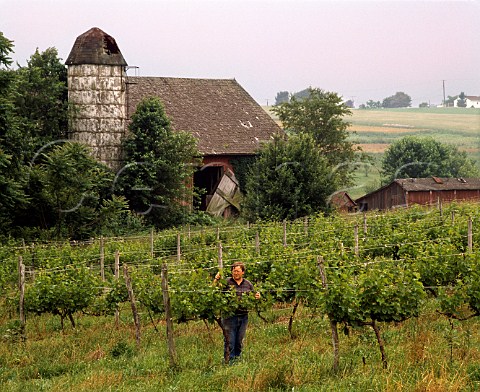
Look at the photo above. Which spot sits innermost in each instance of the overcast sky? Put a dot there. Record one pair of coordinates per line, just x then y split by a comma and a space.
360, 49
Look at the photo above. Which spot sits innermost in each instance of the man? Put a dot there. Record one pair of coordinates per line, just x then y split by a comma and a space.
235, 326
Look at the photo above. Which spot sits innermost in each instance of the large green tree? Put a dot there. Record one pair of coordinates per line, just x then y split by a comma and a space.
291, 178
41, 100
419, 157
322, 114
159, 166
12, 195
74, 192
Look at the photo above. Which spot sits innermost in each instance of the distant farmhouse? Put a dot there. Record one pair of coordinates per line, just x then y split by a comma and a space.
342, 202
471, 101
405, 192
227, 122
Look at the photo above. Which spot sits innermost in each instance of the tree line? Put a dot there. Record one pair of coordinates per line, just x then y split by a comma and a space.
398, 100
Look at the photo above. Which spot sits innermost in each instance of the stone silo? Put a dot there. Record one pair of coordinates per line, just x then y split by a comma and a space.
97, 95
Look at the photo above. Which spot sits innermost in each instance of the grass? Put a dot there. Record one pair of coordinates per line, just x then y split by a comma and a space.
424, 354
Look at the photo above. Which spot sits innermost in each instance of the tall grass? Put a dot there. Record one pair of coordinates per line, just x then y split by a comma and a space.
425, 354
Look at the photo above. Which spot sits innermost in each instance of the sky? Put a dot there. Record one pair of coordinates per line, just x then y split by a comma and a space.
359, 49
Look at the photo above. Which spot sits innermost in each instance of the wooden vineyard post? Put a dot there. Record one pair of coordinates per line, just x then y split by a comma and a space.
333, 324
305, 225
470, 235
285, 233
220, 258
168, 318
365, 226
131, 297
179, 248
152, 247
355, 230
21, 287
117, 276
257, 243
102, 259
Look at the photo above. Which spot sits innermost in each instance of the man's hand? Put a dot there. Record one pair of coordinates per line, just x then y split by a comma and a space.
257, 295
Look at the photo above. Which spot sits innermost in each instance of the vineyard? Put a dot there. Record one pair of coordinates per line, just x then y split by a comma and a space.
373, 271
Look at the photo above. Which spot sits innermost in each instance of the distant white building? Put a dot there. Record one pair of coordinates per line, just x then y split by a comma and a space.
471, 101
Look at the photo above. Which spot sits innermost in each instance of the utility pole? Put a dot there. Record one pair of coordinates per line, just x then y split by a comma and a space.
444, 101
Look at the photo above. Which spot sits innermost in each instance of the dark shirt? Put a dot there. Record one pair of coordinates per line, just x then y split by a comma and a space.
245, 287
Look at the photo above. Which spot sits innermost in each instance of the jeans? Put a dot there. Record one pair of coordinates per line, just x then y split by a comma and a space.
234, 329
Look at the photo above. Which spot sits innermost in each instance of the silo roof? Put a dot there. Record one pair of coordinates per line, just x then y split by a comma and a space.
95, 47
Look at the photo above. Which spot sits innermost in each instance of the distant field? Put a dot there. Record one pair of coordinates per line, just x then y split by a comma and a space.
376, 129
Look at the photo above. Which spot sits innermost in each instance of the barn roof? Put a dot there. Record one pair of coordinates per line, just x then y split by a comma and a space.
438, 184
95, 47
223, 117
430, 184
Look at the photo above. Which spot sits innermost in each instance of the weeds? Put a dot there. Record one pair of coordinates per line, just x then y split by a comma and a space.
104, 358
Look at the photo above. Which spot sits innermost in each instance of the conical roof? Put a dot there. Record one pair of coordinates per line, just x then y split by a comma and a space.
95, 47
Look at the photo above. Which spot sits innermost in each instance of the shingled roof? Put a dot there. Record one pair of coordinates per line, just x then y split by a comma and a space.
95, 47
438, 184
223, 117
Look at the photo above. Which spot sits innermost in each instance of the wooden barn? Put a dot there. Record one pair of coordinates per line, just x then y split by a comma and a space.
342, 202
227, 122
405, 192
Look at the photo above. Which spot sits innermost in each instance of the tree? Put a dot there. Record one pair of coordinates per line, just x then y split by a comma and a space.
6, 47
73, 192
416, 157
462, 103
373, 104
322, 115
282, 96
159, 165
291, 178
399, 100
450, 100
38, 101
41, 101
12, 195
